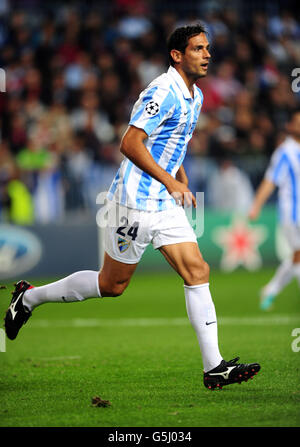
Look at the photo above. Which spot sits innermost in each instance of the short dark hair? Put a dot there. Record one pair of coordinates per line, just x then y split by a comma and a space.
179, 39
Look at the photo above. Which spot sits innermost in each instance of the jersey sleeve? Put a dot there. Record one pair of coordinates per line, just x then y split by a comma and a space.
278, 167
153, 107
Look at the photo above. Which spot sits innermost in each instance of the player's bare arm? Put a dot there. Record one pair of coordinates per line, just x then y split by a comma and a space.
132, 146
181, 176
264, 191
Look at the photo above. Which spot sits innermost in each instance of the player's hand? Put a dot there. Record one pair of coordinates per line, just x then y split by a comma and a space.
181, 193
254, 212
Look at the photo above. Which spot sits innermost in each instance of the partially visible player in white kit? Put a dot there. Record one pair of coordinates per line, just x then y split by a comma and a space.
284, 173
149, 189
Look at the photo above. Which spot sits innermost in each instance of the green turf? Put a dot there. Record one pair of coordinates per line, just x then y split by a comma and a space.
152, 374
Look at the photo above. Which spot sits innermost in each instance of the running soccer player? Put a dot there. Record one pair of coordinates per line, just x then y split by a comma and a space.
283, 172
148, 193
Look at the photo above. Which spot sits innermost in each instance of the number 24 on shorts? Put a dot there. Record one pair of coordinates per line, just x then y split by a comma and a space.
133, 230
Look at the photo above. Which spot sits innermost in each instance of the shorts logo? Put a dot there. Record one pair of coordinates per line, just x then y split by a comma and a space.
123, 244
152, 108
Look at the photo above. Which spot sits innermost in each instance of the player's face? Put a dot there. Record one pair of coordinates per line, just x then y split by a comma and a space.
195, 59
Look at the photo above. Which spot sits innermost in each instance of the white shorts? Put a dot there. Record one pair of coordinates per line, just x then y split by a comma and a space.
135, 230
292, 234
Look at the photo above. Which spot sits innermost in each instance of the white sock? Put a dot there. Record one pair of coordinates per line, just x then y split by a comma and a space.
282, 277
76, 287
296, 270
202, 315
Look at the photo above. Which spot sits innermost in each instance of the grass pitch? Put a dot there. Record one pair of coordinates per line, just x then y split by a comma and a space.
139, 352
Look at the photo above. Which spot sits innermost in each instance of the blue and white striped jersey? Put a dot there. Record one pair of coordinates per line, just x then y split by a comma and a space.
168, 114
284, 172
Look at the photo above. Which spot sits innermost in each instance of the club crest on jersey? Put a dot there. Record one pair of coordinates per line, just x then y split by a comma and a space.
123, 244
152, 108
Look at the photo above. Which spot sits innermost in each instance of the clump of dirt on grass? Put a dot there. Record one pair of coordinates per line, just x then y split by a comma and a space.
98, 402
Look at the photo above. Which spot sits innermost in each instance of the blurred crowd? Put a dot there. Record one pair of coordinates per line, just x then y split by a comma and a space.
74, 70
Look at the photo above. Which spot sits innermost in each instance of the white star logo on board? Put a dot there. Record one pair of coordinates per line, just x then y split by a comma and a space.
239, 242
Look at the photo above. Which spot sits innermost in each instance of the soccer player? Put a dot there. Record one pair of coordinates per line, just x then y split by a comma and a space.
283, 172
148, 193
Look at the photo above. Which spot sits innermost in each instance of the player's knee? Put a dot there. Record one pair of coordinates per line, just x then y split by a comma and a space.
198, 274
113, 289
118, 289
206, 269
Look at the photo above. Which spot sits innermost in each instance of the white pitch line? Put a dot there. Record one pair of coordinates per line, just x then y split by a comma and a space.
278, 320
53, 359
